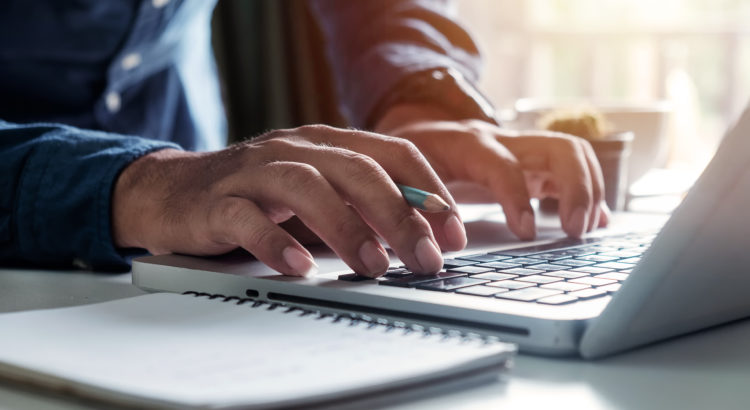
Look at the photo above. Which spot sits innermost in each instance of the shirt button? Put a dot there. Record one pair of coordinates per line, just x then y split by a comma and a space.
159, 3
130, 61
112, 101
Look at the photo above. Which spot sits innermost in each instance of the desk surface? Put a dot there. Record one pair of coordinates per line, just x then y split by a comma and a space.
710, 369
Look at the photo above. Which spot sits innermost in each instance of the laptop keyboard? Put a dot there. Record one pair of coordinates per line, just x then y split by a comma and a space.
558, 273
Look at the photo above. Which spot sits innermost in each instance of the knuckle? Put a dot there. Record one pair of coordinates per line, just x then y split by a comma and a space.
298, 176
347, 226
408, 220
271, 135
226, 213
362, 169
260, 236
405, 150
316, 129
278, 144
567, 144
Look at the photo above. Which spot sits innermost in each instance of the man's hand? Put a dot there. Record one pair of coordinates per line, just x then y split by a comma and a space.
339, 183
512, 166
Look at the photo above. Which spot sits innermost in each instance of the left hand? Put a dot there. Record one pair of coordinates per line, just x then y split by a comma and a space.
512, 166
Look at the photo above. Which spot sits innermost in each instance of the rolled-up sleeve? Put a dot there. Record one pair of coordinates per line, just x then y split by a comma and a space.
373, 44
55, 190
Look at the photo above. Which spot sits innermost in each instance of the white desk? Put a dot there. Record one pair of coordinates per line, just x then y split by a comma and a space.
708, 370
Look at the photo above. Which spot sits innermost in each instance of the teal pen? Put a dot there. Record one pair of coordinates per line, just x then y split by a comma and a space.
423, 200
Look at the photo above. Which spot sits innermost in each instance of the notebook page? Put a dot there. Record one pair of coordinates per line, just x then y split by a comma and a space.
199, 352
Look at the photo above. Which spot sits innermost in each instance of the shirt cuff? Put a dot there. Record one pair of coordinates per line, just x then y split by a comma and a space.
65, 192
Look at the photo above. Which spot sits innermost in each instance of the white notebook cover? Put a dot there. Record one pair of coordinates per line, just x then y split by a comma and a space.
185, 351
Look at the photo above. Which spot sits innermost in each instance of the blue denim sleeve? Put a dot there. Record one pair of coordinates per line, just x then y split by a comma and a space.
56, 183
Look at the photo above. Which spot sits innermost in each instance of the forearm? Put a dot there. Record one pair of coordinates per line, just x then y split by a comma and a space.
55, 195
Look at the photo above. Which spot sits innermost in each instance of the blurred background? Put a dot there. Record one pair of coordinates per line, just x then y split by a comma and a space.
676, 72
690, 56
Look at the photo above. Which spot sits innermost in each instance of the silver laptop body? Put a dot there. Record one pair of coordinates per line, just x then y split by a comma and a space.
695, 274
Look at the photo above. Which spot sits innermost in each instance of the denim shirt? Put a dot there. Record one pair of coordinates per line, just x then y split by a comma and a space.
88, 86
121, 67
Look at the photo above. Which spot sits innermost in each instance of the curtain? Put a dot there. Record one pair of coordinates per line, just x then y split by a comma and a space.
272, 66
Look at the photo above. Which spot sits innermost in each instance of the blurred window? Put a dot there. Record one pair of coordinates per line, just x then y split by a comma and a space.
693, 53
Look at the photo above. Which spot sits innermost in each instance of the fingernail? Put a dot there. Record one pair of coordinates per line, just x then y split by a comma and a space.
428, 256
577, 222
455, 233
606, 215
374, 258
528, 226
302, 264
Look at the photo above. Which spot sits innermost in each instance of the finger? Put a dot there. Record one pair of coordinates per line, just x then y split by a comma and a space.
303, 189
496, 168
364, 184
605, 215
238, 221
597, 185
403, 162
568, 162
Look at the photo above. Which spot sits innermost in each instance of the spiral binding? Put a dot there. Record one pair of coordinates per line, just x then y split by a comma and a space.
352, 319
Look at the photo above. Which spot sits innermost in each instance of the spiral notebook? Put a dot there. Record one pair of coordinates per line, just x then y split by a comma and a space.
208, 351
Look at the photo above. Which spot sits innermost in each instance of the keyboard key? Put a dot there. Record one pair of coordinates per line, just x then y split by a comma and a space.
494, 276
522, 271
628, 271
397, 273
526, 261
511, 284
607, 249
470, 270
574, 262
581, 251
566, 274
610, 288
618, 276
589, 293
516, 252
528, 294
594, 270
558, 299
593, 281
539, 279
614, 265
566, 286
412, 280
633, 260
622, 254
549, 267
448, 285
481, 290
597, 258
551, 256
499, 265
454, 263
353, 277
483, 257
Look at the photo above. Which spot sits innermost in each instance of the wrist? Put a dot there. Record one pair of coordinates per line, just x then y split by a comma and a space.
134, 205
440, 94
401, 115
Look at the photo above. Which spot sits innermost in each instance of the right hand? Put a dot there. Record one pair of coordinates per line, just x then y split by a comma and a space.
339, 183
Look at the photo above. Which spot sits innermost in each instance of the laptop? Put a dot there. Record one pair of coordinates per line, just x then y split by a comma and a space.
590, 297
